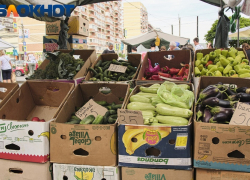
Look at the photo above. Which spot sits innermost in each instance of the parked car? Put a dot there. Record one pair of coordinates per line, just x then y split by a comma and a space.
19, 71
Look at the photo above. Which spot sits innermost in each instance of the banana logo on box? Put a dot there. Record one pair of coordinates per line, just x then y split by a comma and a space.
80, 175
45, 134
135, 138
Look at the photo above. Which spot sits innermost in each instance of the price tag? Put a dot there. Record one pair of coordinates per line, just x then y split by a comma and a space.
117, 68
241, 115
126, 116
91, 108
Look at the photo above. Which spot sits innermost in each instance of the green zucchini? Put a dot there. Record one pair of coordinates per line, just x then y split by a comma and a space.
172, 120
88, 120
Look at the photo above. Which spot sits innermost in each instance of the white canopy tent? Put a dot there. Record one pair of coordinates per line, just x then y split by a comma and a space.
5, 45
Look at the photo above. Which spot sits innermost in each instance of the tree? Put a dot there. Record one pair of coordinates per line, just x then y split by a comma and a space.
209, 37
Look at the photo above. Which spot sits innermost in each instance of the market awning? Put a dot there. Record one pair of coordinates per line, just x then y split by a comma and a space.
244, 34
214, 2
50, 2
147, 38
5, 45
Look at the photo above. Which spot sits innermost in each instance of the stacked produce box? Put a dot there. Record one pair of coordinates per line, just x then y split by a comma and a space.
221, 128
154, 131
78, 33
84, 135
25, 119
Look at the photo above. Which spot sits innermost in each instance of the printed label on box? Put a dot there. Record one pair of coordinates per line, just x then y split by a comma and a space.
117, 68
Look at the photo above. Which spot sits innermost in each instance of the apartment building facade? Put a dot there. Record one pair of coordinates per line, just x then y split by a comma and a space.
135, 17
104, 24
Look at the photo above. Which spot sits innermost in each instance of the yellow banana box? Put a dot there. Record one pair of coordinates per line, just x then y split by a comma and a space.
77, 26
85, 172
22, 136
92, 144
144, 146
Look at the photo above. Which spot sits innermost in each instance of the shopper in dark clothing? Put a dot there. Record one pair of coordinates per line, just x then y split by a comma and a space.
246, 48
110, 49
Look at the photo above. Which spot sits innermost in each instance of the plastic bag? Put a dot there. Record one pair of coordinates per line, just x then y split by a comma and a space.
175, 95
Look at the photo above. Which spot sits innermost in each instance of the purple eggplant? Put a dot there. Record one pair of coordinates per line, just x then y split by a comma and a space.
244, 97
211, 92
219, 95
243, 90
220, 118
206, 116
230, 91
218, 109
214, 101
232, 98
199, 112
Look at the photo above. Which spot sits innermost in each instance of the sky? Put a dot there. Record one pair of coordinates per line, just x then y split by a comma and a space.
164, 13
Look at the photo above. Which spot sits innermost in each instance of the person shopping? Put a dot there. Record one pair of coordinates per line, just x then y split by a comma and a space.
6, 67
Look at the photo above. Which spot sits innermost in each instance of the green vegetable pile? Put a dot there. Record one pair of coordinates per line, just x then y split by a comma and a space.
109, 118
61, 66
229, 63
100, 71
167, 104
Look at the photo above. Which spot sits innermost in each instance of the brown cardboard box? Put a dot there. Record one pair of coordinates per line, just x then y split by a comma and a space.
25, 140
89, 56
134, 59
86, 144
222, 146
205, 52
6, 91
17, 170
182, 56
77, 26
76, 42
205, 174
174, 149
157, 174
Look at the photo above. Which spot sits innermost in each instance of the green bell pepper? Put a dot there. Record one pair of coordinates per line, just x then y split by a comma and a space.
205, 59
232, 72
212, 56
224, 62
241, 53
245, 61
211, 66
197, 63
232, 54
199, 56
200, 67
227, 69
213, 69
243, 71
221, 69
217, 73
218, 51
204, 72
224, 53
197, 72
244, 75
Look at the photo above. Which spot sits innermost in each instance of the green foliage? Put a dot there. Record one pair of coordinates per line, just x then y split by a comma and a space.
122, 55
233, 43
209, 37
61, 66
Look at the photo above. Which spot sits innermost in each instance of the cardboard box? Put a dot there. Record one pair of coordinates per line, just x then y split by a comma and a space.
6, 91
77, 26
74, 42
205, 52
89, 56
157, 174
169, 149
85, 172
222, 146
181, 56
81, 144
134, 59
20, 138
17, 170
205, 174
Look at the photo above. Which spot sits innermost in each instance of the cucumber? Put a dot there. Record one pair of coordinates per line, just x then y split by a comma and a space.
98, 119
88, 120
114, 116
75, 118
106, 117
73, 121
172, 120
117, 106
112, 112
102, 103
111, 120
98, 64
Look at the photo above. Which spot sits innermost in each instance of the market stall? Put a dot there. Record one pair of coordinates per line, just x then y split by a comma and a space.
148, 38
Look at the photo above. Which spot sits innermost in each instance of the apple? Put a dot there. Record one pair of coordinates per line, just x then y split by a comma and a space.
42, 120
36, 119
